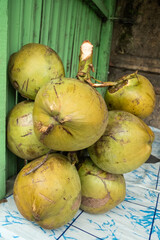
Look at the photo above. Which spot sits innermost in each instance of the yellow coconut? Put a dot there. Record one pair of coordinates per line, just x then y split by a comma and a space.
32, 66
133, 93
51, 195
101, 191
69, 114
21, 139
125, 145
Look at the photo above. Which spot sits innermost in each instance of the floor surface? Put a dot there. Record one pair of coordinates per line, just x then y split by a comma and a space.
136, 218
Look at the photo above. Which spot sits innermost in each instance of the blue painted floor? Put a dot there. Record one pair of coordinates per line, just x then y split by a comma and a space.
136, 218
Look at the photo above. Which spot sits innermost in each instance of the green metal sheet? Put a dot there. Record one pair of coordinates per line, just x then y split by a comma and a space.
65, 25
99, 7
24, 24
60, 24
105, 46
3, 79
24, 17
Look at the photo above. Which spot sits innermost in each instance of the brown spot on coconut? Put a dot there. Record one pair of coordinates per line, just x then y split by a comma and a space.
76, 203
91, 202
16, 85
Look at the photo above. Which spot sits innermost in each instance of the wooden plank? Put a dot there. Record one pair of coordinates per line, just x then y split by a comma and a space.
3, 81
135, 63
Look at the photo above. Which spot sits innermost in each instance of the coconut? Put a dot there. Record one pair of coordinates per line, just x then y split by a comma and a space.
51, 195
125, 145
101, 191
21, 139
32, 66
133, 93
69, 114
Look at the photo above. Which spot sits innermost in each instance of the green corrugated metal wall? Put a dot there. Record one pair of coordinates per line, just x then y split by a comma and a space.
61, 24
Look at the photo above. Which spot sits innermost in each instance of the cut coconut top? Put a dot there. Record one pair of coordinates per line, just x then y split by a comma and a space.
86, 50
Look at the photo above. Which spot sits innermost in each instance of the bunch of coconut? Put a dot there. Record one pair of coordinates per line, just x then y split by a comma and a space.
77, 150
127, 141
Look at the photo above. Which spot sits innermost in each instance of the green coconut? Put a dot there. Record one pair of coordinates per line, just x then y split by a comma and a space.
133, 93
101, 191
51, 195
32, 66
21, 139
125, 145
69, 114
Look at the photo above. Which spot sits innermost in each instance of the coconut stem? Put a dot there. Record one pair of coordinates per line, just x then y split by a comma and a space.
85, 66
100, 84
39, 165
85, 61
73, 158
25, 161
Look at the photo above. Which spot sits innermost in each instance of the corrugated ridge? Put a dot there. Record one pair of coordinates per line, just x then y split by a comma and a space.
3, 59
24, 18
65, 25
60, 24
